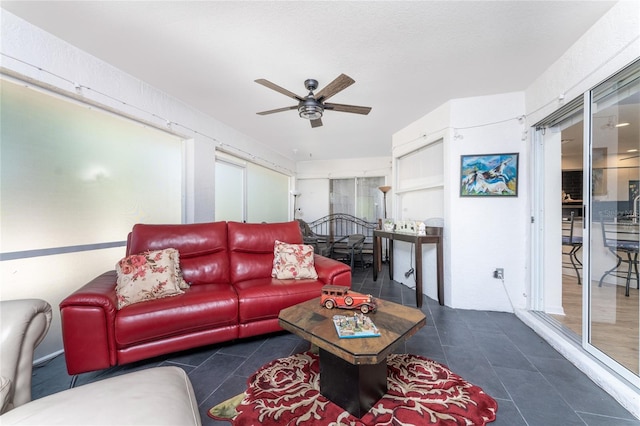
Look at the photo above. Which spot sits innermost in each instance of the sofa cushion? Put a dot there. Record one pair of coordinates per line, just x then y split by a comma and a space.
264, 298
293, 261
202, 247
154, 396
201, 307
251, 247
147, 276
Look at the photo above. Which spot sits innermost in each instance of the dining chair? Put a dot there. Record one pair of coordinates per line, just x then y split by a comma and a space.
573, 242
348, 248
320, 243
622, 240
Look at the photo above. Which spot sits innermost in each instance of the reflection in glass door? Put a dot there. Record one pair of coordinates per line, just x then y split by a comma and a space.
614, 178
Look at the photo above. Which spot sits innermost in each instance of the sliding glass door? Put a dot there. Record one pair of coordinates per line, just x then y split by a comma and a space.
614, 166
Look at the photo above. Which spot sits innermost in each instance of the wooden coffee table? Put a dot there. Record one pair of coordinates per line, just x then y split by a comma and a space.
353, 372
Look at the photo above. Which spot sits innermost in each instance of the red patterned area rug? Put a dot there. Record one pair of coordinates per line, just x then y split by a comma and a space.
420, 392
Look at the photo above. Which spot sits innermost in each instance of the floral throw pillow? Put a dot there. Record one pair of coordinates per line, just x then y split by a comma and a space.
149, 275
293, 261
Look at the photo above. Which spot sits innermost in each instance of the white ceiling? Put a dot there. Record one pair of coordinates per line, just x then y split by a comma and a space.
407, 57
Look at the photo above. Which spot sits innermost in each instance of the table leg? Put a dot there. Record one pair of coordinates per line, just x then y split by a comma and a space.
356, 388
380, 251
391, 259
440, 272
377, 253
418, 250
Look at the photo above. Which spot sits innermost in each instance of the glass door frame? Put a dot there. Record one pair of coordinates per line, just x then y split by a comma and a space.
587, 299
540, 232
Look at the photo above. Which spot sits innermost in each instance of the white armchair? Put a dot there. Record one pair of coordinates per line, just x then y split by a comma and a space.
155, 396
23, 325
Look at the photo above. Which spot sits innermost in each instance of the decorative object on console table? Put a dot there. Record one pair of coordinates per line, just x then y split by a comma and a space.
489, 175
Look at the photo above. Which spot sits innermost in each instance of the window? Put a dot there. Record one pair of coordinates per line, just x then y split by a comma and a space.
248, 192
420, 192
74, 177
357, 196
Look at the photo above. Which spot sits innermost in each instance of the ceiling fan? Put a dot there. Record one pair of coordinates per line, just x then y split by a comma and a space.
312, 106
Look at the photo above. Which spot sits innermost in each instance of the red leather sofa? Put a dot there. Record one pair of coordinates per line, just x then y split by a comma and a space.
232, 295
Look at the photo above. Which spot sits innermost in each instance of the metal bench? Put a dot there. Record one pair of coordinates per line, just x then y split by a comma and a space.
332, 231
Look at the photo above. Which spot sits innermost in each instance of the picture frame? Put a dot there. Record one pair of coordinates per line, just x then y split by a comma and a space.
489, 175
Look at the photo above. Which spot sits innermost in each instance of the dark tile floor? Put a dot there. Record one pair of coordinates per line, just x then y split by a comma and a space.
533, 384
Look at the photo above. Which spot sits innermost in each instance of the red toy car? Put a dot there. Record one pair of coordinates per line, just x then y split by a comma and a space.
337, 296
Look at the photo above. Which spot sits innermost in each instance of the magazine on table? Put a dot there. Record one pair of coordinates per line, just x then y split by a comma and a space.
354, 326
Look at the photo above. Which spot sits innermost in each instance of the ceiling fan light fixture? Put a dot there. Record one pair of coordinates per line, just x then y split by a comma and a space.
310, 109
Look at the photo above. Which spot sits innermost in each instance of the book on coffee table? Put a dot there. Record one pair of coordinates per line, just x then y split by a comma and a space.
358, 325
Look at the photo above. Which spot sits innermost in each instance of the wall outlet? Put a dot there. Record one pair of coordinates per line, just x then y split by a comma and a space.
499, 273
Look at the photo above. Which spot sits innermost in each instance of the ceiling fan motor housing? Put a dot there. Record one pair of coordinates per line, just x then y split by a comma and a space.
311, 84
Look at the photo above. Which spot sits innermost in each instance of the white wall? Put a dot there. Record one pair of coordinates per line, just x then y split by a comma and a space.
313, 202
612, 43
475, 241
489, 232
344, 168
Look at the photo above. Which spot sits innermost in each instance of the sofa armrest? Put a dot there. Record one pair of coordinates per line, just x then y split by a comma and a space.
88, 325
331, 271
24, 324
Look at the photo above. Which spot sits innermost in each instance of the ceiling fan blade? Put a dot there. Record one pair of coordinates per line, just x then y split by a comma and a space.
278, 89
348, 108
271, 111
340, 83
316, 123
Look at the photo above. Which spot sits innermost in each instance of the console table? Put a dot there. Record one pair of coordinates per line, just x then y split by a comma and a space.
434, 236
